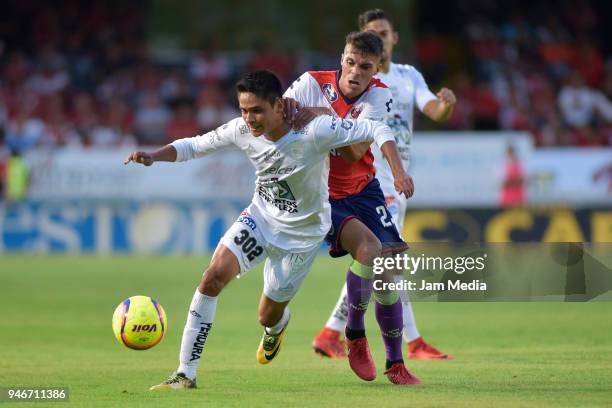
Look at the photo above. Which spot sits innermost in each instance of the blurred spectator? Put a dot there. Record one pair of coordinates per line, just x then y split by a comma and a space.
114, 129
84, 115
3, 112
590, 64
120, 84
210, 67
184, 123
213, 110
24, 131
152, 118
550, 131
510, 89
4, 156
607, 84
462, 117
86, 74
176, 86
431, 55
485, 106
579, 104
59, 131
266, 58
51, 78
513, 189
17, 178
582, 107
148, 79
16, 70
556, 48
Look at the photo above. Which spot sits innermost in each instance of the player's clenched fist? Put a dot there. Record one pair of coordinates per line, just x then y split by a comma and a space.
447, 96
404, 184
140, 157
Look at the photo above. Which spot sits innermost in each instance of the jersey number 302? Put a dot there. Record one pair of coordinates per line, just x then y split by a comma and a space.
248, 244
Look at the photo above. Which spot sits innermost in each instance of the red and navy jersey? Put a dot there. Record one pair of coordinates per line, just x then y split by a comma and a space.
321, 89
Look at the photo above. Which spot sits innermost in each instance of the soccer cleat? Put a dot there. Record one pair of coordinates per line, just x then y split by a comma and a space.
270, 346
177, 381
419, 350
328, 344
360, 358
399, 374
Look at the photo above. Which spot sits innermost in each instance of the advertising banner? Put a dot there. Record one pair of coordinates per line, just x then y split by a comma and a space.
450, 170
196, 227
101, 174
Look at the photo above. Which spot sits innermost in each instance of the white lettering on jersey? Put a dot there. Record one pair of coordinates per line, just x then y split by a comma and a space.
291, 192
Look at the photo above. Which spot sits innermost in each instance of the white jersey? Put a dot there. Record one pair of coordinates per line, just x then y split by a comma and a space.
408, 88
291, 195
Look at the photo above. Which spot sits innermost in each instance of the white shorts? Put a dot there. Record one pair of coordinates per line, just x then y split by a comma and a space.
397, 205
284, 271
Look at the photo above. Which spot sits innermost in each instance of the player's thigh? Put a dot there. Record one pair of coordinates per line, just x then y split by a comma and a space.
359, 241
285, 271
341, 213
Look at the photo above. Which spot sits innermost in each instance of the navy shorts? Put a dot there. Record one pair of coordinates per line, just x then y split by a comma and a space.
369, 207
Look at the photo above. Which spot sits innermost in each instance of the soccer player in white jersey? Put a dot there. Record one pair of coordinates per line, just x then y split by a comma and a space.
408, 88
286, 221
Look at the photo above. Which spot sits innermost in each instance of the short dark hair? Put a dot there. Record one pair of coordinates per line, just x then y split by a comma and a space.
367, 42
263, 83
371, 15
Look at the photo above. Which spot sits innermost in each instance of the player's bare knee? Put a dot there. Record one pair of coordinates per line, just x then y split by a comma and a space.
367, 250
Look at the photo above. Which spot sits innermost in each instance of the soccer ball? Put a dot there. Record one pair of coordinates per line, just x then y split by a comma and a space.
139, 322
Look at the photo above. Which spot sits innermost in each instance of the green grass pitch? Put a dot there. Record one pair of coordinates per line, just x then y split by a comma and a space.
55, 330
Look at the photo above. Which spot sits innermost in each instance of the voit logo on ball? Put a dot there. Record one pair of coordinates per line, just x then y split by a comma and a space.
139, 322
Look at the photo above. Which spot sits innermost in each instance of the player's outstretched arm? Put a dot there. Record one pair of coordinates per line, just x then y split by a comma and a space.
402, 180
166, 153
441, 109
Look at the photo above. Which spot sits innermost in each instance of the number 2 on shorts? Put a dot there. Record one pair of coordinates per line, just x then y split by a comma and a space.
385, 217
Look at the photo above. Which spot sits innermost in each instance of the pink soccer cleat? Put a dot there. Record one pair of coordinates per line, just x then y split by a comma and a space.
419, 350
360, 358
328, 344
399, 374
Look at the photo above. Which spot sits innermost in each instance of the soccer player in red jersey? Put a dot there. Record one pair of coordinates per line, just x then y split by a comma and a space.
361, 223
410, 92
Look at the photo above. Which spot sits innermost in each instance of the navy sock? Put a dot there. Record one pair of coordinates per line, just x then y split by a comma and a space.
353, 334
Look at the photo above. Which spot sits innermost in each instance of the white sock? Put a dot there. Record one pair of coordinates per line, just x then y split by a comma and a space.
410, 329
278, 327
337, 320
199, 322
